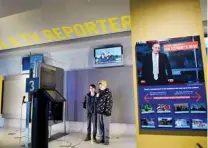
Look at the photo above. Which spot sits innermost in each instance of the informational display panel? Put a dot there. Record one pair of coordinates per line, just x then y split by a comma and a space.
172, 94
34, 59
51, 79
29, 62
47, 76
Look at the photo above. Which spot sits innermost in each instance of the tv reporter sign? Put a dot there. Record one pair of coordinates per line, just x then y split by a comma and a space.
63, 22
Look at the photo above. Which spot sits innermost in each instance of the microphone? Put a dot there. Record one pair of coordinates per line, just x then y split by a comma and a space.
23, 100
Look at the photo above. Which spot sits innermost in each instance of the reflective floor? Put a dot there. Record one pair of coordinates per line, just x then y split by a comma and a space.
9, 138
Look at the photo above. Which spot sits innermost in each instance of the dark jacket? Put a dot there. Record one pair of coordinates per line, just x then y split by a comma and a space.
105, 103
147, 69
90, 103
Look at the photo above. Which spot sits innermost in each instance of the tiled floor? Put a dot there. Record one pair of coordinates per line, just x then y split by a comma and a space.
9, 138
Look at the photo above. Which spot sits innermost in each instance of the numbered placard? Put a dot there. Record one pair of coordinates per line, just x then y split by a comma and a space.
32, 85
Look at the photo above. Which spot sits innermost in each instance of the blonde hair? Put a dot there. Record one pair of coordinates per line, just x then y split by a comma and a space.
103, 82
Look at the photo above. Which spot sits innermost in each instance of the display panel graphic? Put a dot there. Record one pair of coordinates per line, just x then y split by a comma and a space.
148, 123
163, 108
165, 122
147, 109
181, 108
198, 108
171, 84
182, 123
199, 124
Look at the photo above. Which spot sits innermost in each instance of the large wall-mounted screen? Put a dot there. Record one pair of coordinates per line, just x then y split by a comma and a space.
108, 56
171, 84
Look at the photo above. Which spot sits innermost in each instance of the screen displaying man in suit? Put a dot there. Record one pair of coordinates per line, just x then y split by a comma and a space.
154, 68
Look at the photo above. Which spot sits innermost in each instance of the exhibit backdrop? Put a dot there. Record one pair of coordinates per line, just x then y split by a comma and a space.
171, 89
121, 87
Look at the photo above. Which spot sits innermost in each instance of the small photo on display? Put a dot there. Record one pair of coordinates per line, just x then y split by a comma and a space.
182, 108
199, 124
198, 108
182, 123
165, 122
148, 123
163, 108
147, 109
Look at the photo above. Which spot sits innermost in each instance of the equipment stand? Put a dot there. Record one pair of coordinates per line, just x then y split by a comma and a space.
40, 121
27, 131
20, 126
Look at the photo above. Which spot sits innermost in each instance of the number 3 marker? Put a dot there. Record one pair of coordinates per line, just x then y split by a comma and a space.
32, 85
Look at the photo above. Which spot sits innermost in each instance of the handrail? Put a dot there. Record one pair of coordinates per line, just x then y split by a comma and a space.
60, 95
48, 95
45, 90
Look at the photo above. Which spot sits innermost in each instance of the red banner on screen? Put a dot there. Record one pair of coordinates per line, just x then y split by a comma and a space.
181, 46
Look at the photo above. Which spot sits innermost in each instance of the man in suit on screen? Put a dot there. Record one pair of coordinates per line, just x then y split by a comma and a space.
154, 68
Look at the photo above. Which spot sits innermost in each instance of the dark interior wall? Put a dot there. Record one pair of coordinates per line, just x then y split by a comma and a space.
119, 82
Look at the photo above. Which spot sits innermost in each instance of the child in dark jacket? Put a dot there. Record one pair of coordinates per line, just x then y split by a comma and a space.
90, 105
104, 109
